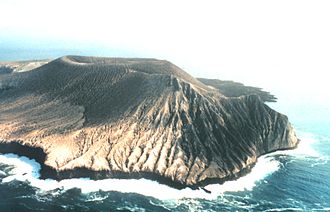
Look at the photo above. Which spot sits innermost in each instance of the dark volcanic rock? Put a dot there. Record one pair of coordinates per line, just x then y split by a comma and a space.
137, 118
5, 70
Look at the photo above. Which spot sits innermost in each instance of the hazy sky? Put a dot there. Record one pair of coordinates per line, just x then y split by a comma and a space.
283, 46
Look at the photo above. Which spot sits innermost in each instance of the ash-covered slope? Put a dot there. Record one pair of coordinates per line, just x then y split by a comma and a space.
236, 89
137, 117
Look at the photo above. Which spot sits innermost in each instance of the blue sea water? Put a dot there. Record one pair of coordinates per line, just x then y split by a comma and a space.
294, 180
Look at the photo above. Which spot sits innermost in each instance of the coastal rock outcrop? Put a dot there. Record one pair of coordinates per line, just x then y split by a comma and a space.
138, 117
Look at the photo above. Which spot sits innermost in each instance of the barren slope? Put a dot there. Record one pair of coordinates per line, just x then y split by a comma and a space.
21, 66
236, 89
141, 116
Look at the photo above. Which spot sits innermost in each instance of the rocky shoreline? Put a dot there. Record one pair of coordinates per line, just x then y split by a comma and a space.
47, 172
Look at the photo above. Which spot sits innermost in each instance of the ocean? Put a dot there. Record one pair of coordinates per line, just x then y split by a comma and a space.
293, 180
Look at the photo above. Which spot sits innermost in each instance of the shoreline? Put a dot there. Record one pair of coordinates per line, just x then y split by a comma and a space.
47, 172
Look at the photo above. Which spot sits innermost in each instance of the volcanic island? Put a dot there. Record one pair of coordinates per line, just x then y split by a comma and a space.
135, 118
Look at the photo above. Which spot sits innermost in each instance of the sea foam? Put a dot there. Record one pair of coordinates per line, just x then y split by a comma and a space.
26, 169
304, 149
